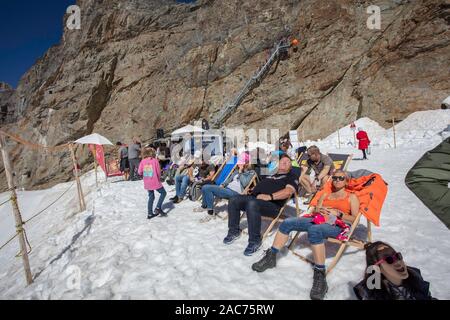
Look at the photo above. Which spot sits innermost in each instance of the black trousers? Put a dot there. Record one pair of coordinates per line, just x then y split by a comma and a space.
254, 209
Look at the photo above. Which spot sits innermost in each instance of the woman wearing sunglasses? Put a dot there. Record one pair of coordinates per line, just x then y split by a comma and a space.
397, 280
334, 211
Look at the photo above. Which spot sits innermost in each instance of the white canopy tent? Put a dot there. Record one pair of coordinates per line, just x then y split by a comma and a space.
94, 138
187, 129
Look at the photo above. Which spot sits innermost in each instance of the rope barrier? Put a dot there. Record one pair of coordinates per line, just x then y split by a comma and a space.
5, 202
33, 145
20, 228
52, 203
7, 242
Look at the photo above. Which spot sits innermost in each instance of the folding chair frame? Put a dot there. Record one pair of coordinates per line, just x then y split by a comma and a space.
343, 244
347, 162
279, 217
218, 172
253, 181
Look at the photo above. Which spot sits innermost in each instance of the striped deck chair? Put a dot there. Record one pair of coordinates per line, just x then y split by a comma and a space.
371, 191
340, 160
224, 171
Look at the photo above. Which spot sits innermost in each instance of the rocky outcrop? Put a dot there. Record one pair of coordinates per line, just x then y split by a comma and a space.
6, 103
137, 65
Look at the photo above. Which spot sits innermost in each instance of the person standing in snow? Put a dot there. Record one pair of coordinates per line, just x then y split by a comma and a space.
134, 152
123, 160
429, 180
151, 171
363, 142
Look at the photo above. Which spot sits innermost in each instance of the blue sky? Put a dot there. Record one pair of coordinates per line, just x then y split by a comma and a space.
28, 29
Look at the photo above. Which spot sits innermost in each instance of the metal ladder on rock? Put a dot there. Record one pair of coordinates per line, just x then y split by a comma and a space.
252, 83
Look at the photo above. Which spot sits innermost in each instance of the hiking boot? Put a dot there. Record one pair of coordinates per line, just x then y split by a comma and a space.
152, 215
211, 212
319, 287
161, 213
231, 237
173, 198
267, 262
178, 200
252, 248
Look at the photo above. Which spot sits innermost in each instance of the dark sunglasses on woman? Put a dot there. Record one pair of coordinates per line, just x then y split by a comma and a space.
338, 178
390, 259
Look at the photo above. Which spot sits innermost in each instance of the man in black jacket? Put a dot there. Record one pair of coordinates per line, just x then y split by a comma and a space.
266, 199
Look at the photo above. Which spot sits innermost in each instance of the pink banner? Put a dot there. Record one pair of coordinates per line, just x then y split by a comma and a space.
97, 150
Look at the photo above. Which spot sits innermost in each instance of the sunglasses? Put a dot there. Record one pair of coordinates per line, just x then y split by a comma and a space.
338, 178
390, 259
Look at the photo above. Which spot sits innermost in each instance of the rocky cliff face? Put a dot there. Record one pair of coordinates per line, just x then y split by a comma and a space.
6, 103
139, 65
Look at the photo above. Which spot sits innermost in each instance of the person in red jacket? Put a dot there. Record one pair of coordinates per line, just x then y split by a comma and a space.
363, 142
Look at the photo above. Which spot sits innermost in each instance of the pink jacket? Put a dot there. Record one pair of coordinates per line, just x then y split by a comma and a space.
151, 171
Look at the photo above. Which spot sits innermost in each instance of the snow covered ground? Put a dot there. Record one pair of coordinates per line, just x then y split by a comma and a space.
111, 251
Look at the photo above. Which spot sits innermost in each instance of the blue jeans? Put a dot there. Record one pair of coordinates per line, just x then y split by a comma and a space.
317, 233
181, 184
151, 199
211, 190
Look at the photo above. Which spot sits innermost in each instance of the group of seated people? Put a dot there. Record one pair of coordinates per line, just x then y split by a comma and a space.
331, 217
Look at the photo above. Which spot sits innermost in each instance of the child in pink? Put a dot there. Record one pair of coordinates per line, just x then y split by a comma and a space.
151, 171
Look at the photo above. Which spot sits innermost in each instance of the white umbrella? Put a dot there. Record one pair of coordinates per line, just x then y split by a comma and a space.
97, 139
94, 138
187, 129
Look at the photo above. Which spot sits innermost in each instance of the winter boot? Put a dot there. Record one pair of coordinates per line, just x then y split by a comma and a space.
267, 262
319, 287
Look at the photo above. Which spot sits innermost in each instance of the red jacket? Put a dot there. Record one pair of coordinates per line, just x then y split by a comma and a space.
363, 140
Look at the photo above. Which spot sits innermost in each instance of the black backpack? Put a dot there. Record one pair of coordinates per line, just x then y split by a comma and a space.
195, 191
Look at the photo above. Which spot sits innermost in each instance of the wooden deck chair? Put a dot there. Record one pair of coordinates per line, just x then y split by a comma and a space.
340, 160
252, 183
279, 218
225, 170
371, 191
302, 158
343, 244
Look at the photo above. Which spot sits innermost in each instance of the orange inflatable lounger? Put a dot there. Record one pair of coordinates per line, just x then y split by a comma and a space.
371, 191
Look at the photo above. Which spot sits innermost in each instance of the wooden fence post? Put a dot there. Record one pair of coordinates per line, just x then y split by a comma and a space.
339, 139
77, 178
393, 129
17, 216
